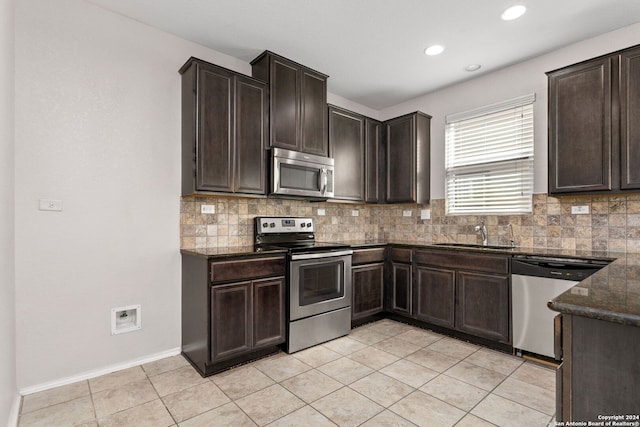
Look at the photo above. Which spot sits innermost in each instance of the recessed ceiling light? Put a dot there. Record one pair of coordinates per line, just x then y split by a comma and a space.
514, 12
473, 67
436, 49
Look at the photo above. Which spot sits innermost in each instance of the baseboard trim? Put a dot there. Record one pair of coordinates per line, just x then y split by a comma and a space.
98, 372
15, 412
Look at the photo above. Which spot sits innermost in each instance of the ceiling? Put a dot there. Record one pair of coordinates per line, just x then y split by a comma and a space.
373, 50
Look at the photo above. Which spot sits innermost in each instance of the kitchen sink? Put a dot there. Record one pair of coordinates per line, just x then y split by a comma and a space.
474, 246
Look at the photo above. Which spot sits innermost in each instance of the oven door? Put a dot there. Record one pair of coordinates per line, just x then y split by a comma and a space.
319, 283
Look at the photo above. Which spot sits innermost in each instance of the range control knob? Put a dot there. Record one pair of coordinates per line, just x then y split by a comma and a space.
302, 225
272, 225
309, 224
265, 225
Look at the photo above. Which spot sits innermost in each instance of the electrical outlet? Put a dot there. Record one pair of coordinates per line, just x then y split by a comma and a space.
355, 213
577, 290
321, 212
580, 210
50, 205
207, 209
406, 213
425, 214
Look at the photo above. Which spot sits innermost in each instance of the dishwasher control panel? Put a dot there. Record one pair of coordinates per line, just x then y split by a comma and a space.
556, 268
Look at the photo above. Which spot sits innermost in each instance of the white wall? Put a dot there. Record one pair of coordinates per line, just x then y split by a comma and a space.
8, 388
98, 127
352, 106
510, 82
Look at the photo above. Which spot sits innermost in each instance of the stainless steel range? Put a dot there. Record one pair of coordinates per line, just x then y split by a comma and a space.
318, 277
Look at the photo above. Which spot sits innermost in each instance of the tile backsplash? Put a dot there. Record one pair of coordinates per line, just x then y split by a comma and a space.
613, 222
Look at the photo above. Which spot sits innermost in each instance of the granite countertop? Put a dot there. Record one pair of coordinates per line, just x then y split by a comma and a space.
229, 251
612, 294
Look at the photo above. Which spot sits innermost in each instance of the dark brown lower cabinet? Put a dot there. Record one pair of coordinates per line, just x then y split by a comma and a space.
400, 295
434, 292
230, 320
268, 312
482, 305
599, 371
398, 281
465, 291
233, 310
246, 316
367, 282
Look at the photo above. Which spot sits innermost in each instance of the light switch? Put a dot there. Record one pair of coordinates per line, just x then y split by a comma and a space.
50, 205
406, 213
355, 213
425, 214
321, 212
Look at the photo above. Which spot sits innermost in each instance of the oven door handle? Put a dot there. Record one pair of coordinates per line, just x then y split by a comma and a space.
295, 257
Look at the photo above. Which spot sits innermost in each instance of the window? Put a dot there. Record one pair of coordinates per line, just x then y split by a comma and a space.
489, 159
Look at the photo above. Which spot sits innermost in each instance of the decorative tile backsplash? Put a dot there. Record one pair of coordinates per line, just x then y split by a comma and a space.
613, 222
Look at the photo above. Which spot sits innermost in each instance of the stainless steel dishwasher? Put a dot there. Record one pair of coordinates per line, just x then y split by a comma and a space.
535, 281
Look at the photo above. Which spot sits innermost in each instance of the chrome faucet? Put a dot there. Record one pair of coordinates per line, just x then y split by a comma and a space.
483, 231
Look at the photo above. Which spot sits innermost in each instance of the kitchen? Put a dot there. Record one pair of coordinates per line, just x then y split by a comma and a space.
116, 242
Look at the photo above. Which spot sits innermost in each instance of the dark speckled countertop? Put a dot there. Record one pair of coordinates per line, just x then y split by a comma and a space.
612, 294
229, 251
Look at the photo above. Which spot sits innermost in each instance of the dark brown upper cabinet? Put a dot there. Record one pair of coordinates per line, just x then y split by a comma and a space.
594, 143
297, 101
629, 114
346, 146
224, 130
374, 165
355, 144
407, 140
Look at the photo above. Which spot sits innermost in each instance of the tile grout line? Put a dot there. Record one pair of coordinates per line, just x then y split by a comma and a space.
344, 354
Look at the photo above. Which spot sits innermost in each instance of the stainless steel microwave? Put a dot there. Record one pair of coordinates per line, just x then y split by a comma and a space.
299, 174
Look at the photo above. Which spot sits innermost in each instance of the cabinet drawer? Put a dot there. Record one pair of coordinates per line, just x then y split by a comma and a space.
400, 255
464, 261
246, 269
367, 256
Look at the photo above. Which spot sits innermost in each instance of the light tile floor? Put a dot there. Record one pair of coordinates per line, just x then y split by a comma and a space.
383, 374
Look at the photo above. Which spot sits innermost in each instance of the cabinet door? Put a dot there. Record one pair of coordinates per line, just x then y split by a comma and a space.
482, 305
580, 126
400, 161
214, 168
230, 320
268, 312
251, 112
314, 113
400, 289
372, 164
346, 135
367, 285
285, 107
434, 295
629, 123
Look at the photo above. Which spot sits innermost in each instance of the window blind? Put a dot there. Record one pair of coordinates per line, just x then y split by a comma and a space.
489, 159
